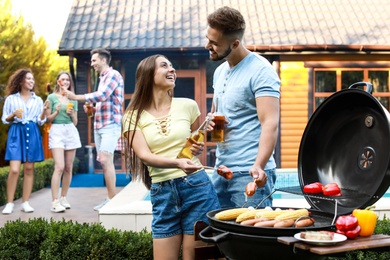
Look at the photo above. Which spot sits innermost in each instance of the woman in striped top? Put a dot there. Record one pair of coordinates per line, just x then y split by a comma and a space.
24, 111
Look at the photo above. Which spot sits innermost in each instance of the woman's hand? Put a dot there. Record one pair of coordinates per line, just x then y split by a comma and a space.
188, 166
69, 110
58, 107
18, 113
46, 105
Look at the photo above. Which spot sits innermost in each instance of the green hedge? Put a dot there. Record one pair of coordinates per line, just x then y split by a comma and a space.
51, 240
43, 239
42, 178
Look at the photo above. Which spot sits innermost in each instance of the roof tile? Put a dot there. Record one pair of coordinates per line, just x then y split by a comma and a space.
143, 24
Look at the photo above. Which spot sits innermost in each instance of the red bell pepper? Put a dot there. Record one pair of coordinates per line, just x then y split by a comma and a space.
313, 188
331, 189
351, 234
348, 225
346, 222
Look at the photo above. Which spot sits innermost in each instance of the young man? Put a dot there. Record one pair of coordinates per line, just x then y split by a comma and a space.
248, 90
108, 112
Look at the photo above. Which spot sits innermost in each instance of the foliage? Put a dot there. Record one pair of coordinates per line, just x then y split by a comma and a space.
42, 239
19, 48
383, 226
22, 240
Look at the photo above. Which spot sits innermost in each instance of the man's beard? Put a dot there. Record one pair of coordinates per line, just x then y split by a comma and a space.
223, 56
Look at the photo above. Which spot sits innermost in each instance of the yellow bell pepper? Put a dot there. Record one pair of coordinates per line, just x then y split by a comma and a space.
366, 219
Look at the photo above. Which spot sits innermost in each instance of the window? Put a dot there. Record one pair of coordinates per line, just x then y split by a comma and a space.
327, 81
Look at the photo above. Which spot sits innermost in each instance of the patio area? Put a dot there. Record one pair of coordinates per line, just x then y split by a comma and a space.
82, 201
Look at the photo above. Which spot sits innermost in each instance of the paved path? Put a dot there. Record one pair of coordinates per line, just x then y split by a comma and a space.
82, 201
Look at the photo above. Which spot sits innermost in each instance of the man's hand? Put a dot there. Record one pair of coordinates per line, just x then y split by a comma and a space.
259, 176
197, 148
70, 95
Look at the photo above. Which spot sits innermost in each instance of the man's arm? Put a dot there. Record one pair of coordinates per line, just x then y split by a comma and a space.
268, 110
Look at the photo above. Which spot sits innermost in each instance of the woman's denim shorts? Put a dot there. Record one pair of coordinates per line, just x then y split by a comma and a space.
179, 203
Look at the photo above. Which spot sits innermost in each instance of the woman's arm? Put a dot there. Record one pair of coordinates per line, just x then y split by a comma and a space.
142, 150
73, 115
51, 116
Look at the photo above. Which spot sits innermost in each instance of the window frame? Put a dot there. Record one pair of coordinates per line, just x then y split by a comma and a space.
339, 70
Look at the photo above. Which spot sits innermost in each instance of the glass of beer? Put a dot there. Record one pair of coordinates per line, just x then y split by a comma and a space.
218, 133
21, 112
69, 106
89, 109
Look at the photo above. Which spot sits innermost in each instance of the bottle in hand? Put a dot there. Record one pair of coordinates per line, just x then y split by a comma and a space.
197, 136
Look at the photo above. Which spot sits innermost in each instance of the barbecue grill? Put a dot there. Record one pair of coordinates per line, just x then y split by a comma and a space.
346, 141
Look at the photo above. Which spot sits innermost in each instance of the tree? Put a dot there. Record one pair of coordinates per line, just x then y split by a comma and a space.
18, 49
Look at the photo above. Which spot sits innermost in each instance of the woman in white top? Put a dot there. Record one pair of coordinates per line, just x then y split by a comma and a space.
24, 111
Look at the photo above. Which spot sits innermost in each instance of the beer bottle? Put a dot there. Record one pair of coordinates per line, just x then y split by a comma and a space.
197, 136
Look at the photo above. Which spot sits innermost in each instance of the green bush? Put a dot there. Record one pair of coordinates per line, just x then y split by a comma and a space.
42, 178
383, 226
22, 240
42, 239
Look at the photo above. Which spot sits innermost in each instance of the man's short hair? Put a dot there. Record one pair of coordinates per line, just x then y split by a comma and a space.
227, 20
103, 53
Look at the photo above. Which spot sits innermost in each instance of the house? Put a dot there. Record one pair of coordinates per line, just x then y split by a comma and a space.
317, 46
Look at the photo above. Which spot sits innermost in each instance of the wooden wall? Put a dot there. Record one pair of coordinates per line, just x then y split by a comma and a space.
294, 110
84, 123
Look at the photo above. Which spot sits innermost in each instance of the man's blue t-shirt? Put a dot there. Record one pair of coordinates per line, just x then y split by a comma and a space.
237, 90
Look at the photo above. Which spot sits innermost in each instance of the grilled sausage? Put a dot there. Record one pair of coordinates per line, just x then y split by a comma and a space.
304, 222
266, 223
225, 172
250, 189
284, 223
251, 222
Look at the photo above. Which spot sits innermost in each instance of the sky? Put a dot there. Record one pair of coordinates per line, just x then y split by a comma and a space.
47, 17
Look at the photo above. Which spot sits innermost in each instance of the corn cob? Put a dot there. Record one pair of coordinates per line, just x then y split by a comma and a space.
293, 214
230, 214
250, 214
270, 215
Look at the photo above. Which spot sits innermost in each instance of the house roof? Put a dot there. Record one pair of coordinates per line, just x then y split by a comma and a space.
272, 25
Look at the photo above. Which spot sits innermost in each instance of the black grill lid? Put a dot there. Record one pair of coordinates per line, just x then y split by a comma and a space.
347, 141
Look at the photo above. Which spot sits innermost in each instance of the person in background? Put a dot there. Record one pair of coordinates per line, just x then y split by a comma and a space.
108, 111
24, 111
248, 90
64, 139
155, 128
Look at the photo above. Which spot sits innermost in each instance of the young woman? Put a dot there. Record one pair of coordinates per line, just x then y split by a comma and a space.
156, 126
64, 139
24, 111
